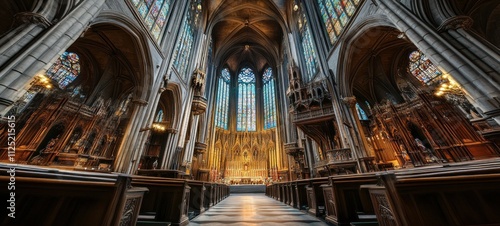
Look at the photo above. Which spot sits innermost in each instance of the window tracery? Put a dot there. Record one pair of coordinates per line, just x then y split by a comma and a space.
221, 114
336, 14
65, 69
154, 14
310, 55
246, 112
269, 99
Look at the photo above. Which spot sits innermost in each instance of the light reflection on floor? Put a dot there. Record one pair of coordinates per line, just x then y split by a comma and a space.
253, 209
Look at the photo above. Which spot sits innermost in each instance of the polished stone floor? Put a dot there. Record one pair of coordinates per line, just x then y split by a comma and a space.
253, 209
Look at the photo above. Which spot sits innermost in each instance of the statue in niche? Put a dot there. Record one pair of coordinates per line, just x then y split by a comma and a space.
50, 145
155, 164
404, 155
245, 156
39, 159
429, 156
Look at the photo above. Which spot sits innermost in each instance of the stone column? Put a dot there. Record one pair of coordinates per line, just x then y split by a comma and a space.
357, 131
17, 72
480, 86
199, 106
125, 156
456, 30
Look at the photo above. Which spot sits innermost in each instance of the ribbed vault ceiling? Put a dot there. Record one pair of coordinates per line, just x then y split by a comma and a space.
247, 32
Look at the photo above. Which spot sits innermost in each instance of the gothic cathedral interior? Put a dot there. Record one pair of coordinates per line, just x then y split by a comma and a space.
249, 92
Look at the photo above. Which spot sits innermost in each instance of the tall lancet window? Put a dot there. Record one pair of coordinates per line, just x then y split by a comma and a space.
184, 46
221, 114
269, 99
361, 113
336, 14
310, 55
159, 116
154, 14
246, 112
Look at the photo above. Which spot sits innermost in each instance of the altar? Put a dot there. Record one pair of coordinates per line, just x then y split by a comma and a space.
245, 180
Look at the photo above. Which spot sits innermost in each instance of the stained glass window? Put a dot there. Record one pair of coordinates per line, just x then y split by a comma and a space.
336, 14
154, 14
310, 54
246, 113
159, 116
184, 46
361, 113
65, 69
221, 114
269, 99
422, 68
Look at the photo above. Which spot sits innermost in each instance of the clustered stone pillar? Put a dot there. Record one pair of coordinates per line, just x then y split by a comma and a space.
125, 157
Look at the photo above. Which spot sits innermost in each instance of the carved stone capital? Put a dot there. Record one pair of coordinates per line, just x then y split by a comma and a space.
351, 101
32, 18
456, 22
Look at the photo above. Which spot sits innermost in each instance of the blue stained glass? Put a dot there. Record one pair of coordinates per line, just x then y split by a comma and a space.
336, 14
246, 115
149, 20
143, 10
159, 116
65, 69
184, 46
269, 99
310, 55
221, 115
361, 113
154, 14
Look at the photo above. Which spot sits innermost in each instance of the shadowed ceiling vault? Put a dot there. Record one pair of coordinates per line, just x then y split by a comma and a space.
247, 32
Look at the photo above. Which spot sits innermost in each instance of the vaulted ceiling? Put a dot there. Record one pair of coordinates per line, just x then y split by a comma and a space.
247, 32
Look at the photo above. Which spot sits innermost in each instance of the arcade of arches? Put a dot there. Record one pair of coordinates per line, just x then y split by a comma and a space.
249, 91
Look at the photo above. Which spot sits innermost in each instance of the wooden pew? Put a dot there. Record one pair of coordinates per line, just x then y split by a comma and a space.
301, 194
196, 197
208, 200
346, 200
455, 194
315, 199
58, 197
293, 195
167, 201
289, 193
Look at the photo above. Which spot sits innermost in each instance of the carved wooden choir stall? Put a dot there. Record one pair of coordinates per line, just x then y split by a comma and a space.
66, 132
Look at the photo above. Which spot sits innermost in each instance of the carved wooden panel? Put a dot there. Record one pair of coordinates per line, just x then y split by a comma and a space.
311, 200
384, 211
331, 204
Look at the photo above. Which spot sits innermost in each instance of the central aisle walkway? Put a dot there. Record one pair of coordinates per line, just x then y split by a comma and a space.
253, 209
